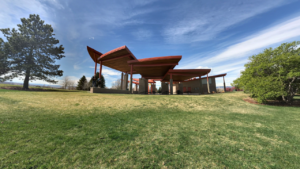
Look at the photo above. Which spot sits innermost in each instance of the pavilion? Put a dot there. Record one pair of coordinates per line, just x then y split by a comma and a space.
151, 70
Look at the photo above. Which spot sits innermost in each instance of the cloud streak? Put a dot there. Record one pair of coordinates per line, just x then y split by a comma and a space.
210, 19
276, 34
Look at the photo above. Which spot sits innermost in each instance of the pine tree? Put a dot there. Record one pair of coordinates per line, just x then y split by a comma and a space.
4, 62
80, 85
32, 51
100, 83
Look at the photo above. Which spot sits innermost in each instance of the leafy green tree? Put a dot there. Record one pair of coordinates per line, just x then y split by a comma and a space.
273, 73
99, 83
32, 51
81, 82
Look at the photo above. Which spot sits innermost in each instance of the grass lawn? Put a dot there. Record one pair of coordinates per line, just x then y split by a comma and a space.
83, 130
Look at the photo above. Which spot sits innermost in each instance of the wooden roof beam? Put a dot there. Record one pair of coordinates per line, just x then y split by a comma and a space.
123, 56
152, 65
183, 74
152, 77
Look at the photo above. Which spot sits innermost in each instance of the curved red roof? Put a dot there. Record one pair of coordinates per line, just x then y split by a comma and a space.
117, 52
92, 53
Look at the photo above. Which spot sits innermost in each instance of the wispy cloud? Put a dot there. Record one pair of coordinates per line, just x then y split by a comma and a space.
107, 71
204, 22
142, 34
76, 67
254, 43
110, 72
266, 38
227, 68
13, 10
55, 3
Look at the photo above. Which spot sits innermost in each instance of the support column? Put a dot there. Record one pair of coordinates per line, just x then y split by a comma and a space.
135, 87
224, 84
164, 88
95, 69
201, 86
207, 83
122, 81
126, 81
100, 71
180, 86
153, 87
171, 84
143, 88
130, 87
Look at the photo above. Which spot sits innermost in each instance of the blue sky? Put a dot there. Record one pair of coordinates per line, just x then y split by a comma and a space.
217, 34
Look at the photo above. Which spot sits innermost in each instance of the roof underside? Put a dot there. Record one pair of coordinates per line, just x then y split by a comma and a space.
94, 54
154, 68
184, 74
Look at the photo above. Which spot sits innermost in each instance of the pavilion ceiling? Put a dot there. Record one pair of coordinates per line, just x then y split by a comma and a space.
156, 67
184, 74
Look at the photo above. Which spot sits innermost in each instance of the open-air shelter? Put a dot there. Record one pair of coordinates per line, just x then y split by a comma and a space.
151, 70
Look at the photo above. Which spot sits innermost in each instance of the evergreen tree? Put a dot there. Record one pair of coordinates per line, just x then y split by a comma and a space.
32, 51
99, 83
80, 85
273, 73
4, 62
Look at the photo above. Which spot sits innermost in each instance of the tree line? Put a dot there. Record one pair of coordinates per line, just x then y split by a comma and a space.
84, 84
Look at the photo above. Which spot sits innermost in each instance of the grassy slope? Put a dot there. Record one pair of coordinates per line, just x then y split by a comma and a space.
79, 129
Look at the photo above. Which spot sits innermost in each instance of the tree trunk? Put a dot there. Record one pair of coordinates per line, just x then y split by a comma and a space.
26, 80
290, 92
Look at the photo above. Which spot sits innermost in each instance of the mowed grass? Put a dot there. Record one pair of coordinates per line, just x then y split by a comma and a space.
83, 130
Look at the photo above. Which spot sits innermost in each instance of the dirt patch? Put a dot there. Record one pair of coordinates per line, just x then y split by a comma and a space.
30, 89
250, 100
296, 103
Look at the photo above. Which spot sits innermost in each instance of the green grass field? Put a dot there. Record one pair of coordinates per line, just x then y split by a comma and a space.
83, 130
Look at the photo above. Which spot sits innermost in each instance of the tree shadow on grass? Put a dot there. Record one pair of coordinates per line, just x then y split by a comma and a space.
37, 89
295, 103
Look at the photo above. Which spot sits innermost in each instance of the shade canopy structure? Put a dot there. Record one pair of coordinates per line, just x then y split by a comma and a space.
183, 74
156, 67
219, 75
153, 69
214, 76
115, 59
